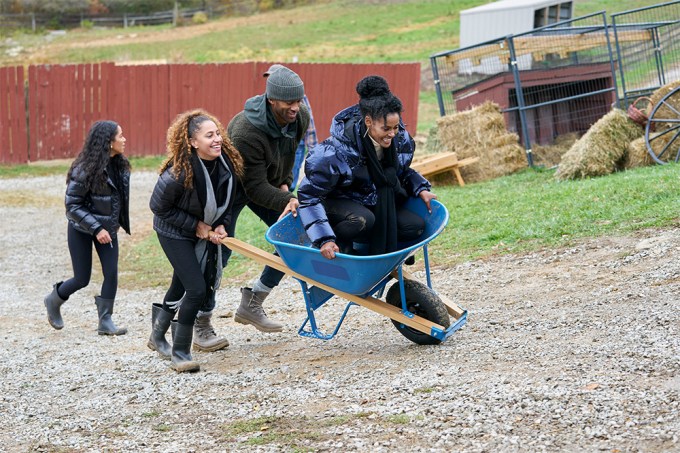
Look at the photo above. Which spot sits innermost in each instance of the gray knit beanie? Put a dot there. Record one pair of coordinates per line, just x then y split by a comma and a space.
284, 85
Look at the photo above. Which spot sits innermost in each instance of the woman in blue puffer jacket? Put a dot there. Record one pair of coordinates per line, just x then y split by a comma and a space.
357, 181
97, 200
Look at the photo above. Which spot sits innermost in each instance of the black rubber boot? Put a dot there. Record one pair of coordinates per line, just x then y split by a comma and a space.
53, 304
106, 325
160, 323
182, 335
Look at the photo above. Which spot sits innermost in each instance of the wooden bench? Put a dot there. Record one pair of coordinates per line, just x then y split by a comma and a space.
443, 162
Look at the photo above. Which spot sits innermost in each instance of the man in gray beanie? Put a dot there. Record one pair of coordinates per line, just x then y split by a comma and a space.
309, 140
267, 133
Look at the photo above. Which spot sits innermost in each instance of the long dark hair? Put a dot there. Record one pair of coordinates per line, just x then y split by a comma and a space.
375, 98
95, 155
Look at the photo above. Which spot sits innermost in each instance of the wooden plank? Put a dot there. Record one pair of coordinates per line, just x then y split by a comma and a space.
441, 163
435, 164
373, 304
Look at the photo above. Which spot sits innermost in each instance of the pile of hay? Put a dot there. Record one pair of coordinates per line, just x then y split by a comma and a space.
549, 156
481, 132
602, 149
637, 154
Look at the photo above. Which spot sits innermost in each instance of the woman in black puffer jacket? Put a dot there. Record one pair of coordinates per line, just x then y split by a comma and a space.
97, 200
192, 206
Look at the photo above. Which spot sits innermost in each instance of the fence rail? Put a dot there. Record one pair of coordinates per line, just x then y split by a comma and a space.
652, 60
548, 82
46, 115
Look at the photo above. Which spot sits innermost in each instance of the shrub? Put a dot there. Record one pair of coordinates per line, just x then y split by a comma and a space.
199, 18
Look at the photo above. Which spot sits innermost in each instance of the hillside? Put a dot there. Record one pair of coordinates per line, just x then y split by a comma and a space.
342, 31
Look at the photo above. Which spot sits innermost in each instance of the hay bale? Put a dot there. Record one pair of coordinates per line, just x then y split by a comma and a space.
549, 156
601, 150
480, 131
664, 111
637, 154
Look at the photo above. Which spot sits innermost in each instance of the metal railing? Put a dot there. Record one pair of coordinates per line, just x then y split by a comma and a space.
652, 58
549, 81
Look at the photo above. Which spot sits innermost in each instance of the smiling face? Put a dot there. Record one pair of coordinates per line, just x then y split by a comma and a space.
118, 143
285, 112
207, 141
383, 130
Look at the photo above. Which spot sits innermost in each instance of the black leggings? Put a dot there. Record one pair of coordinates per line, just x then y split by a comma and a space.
353, 222
188, 283
80, 248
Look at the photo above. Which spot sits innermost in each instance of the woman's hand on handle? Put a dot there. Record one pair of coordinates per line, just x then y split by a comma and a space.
218, 234
427, 196
203, 230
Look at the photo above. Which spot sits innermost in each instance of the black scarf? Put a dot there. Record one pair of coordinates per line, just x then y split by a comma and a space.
384, 176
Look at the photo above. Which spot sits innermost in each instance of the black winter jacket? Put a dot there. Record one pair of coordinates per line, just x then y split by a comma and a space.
177, 210
90, 211
268, 151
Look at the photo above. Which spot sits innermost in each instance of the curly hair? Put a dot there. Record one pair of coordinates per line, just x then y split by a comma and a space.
95, 155
375, 98
179, 149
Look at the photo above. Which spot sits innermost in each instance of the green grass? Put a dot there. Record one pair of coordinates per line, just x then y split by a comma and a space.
55, 167
513, 214
531, 210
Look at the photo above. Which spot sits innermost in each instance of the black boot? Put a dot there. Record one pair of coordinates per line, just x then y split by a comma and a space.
182, 335
106, 325
53, 303
160, 322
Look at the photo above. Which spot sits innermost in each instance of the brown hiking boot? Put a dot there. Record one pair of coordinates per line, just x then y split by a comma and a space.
251, 312
205, 338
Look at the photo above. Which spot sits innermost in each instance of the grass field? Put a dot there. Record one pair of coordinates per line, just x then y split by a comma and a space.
335, 31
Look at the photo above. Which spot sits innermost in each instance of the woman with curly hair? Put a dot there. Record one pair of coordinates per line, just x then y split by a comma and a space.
192, 205
358, 179
97, 201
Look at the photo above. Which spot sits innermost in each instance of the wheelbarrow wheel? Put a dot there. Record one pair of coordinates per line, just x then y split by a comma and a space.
662, 133
421, 301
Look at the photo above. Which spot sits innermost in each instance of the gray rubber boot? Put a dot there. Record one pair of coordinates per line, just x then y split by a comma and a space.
251, 312
53, 305
205, 338
181, 348
160, 323
106, 325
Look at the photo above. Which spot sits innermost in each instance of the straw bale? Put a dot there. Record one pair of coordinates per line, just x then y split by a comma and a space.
674, 101
601, 150
549, 156
637, 154
480, 131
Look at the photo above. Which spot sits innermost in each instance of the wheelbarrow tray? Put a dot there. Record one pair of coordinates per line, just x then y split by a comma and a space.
351, 274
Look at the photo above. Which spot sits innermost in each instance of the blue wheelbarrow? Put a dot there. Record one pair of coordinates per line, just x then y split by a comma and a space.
416, 310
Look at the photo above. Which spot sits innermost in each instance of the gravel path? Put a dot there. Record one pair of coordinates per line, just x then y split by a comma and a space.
565, 350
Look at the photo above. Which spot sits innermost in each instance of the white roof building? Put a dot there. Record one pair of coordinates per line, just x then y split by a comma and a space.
507, 17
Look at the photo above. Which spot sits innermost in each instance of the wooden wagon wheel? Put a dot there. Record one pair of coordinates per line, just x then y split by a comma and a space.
662, 133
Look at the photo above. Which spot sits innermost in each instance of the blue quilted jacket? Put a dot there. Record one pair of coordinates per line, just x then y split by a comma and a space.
336, 168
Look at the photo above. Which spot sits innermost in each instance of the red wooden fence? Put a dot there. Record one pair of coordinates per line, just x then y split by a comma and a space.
13, 133
64, 100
